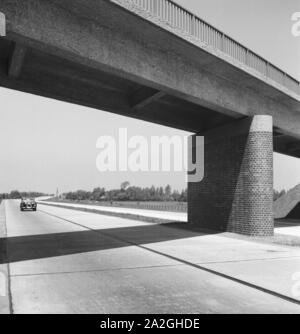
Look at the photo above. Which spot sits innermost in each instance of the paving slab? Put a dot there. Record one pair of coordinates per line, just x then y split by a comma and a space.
150, 290
67, 261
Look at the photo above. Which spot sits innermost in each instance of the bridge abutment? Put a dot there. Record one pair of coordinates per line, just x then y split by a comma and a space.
236, 194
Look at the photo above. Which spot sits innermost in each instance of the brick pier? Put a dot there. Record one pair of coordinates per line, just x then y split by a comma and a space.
236, 194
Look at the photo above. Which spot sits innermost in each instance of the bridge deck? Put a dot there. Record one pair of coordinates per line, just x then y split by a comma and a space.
120, 57
180, 21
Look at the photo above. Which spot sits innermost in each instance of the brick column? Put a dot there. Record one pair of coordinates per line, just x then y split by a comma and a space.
236, 194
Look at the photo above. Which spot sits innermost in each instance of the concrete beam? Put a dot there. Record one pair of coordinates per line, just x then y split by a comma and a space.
2, 25
145, 96
65, 72
101, 36
16, 61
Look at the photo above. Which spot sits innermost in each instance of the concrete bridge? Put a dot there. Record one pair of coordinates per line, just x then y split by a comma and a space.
153, 60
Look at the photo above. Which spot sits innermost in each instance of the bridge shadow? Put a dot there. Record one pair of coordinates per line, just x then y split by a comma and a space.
23, 248
294, 213
291, 220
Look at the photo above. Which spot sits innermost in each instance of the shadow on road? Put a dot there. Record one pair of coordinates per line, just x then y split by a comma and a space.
22, 248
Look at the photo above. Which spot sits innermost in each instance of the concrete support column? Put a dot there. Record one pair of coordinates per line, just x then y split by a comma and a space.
236, 194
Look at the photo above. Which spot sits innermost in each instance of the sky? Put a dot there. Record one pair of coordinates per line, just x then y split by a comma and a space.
264, 26
47, 144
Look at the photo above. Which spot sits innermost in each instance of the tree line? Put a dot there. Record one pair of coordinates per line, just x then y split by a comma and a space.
129, 193
125, 193
16, 194
132, 193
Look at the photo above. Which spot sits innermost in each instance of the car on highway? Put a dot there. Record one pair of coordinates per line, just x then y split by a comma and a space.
28, 204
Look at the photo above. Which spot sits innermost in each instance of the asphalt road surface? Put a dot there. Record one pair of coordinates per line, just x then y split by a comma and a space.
65, 261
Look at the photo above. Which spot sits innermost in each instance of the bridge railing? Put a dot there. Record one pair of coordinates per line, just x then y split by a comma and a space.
180, 18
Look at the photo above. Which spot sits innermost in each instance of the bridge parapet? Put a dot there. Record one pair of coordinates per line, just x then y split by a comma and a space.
176, 18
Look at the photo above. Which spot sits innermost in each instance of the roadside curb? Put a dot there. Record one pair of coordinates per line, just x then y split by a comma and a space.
116, 214
5, 301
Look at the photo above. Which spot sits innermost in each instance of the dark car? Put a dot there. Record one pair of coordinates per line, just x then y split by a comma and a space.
28, 204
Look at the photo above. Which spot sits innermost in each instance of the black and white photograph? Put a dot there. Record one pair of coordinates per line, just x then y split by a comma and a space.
149, 160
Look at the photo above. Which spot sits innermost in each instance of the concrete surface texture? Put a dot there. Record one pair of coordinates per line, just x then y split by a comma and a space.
123, 62
65, 261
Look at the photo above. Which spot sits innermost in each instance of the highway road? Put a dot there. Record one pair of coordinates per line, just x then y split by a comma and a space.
66, 261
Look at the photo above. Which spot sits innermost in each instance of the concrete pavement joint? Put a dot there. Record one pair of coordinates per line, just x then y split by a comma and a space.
211, 271
149, 267
153, 266
98, 270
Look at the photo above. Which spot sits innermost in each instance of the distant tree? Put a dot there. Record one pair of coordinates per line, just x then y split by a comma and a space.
129, 193
14, 194
3, 196
98, 194
152, 192
161, 193
125, 185
168, 191
176, 196
183, 196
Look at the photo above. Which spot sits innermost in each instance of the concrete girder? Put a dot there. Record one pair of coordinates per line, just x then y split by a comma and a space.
49, 27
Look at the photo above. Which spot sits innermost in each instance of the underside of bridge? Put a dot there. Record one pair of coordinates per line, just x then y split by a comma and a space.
36, 72
97, 54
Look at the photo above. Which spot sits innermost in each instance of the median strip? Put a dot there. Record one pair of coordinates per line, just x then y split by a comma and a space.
117, 212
